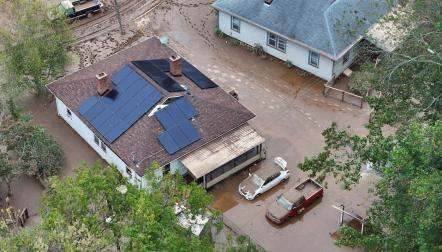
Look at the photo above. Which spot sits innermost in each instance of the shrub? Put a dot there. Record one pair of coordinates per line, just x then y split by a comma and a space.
258, 50
37, 152
235, 42
288, 64
219, 33
360, 81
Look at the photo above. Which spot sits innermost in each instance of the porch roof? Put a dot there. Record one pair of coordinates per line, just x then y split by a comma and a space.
221, 151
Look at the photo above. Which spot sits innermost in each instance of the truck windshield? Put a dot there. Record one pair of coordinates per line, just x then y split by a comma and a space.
257, 180
284, 203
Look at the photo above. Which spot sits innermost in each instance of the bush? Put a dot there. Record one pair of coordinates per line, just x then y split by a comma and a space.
288, 64
37, 152
258, 50
235, 42
360, 81
219, 33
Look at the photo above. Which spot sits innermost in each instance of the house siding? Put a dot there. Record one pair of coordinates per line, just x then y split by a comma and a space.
339, 67
75, 122
298, 55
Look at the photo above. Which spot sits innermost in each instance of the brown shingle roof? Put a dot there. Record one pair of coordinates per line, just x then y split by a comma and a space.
218, 112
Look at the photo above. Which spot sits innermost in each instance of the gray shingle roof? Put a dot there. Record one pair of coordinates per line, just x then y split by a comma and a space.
329, 26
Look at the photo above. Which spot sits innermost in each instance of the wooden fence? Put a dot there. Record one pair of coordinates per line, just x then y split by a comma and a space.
343, 95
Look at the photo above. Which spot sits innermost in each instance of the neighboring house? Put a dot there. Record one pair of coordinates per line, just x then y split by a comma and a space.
145, 105
319, 36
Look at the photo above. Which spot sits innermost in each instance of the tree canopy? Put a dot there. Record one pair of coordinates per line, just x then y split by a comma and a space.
403, 144
36, 152
98, 209
34, 48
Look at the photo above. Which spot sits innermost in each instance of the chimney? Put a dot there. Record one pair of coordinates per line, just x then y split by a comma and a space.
175, 65
103, 85
268, 1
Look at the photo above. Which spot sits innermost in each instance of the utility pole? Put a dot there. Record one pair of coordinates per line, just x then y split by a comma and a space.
117, 10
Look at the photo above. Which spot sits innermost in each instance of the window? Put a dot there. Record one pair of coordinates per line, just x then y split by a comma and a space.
128, 172
252, 152
235, 24
166, 169
240, 159
68, 112
313, 59
276, 42
103, 146
345, 57
96, 140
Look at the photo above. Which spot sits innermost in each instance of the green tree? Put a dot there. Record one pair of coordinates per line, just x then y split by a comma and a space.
7, 172
97, 209
35, 48
404, 141
38, 153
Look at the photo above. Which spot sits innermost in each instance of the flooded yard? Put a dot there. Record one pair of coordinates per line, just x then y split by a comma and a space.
291, 113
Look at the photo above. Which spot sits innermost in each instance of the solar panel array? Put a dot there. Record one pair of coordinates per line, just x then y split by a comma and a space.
115, 112
175, 120
158, 76
189, 71
196, 76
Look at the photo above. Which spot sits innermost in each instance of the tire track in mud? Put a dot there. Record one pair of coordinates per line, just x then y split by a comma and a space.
129, 11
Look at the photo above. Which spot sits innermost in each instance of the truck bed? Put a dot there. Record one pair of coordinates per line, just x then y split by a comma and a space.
83, 6
308, 188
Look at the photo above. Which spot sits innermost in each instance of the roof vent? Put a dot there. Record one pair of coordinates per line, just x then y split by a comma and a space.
268, 2
103, 84
175, 65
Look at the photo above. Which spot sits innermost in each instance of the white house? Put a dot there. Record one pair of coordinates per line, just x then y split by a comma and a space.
145, 105
319, 36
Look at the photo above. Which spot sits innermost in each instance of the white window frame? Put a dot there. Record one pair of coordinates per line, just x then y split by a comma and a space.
103, 147
233, 21
129, 172
313, 63
277, 42
68, 112
96, 140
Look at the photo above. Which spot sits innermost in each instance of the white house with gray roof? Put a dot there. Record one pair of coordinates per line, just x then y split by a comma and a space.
319, 36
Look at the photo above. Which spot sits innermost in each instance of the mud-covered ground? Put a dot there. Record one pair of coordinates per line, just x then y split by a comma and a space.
290, 113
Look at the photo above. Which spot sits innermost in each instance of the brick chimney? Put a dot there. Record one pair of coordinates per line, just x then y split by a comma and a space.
175, 65
103, 84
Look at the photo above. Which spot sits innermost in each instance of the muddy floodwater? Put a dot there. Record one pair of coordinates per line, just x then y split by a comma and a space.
291, 113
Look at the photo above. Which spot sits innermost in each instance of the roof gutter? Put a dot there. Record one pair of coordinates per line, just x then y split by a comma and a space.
334, 58
279, 34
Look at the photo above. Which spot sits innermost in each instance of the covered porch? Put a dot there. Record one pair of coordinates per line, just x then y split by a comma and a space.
224, 156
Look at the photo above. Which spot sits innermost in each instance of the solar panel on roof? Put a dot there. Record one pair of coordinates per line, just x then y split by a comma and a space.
118, 77
162, 64
184, 105
165, 119
180, 132
158, 75
89, 103
178, 137
112, 114
189, 131
168, 143
196, 76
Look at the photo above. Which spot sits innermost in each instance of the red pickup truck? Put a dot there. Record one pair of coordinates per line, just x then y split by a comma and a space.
294, 201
